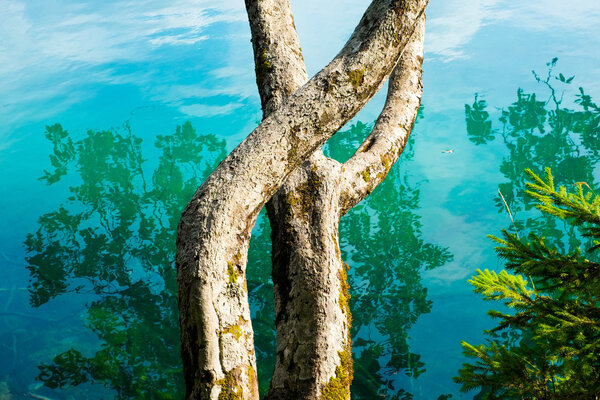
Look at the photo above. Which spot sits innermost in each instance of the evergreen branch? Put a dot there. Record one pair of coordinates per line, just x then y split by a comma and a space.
504, 286
582, 208
550, 347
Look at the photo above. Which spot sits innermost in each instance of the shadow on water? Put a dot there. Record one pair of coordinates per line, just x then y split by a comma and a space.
112, 243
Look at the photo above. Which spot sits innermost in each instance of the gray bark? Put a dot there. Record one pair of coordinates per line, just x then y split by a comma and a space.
314, 358
279, 64
313, 320
213, 235
309, 277
311, 296
369, 166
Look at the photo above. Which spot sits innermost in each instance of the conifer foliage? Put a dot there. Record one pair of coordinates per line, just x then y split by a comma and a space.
547, 342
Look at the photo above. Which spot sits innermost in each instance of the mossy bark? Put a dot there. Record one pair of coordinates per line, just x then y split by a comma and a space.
311, 295
214, 231
314, 349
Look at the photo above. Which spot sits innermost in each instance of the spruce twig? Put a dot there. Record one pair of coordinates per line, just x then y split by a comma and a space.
547, 345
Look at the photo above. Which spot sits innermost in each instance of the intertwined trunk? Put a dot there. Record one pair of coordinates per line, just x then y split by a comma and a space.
313, 320
213, 235
314, 356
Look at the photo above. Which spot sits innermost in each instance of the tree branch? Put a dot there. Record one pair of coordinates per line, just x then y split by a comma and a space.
214, 231
278, 60
319, 108
369, 166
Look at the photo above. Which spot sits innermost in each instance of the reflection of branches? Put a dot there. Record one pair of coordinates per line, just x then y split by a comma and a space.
137, 156
560, 138
537, 135
127, 264
385, 276
540, 134
104, 235
546, 82
479, 127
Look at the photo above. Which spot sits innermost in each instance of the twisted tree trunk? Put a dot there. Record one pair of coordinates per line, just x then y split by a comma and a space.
213, 235
313, 320
301, 268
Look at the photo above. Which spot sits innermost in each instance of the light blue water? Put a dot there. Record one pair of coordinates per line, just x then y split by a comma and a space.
140, 70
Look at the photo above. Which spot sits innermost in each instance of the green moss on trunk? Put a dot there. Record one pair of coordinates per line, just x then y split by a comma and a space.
230, 388
338, 387
356, 77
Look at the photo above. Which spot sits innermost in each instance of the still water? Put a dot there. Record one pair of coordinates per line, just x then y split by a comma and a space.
111, 116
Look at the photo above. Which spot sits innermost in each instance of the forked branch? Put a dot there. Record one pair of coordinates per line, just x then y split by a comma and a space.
369, 166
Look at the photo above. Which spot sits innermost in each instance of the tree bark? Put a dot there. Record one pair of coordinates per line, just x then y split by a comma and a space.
312, 321
278, 61
314, 358
213, 234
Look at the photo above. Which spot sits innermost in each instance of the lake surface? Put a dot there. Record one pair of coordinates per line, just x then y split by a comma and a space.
112, 114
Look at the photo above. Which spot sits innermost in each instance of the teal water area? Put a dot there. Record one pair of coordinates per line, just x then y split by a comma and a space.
111, 116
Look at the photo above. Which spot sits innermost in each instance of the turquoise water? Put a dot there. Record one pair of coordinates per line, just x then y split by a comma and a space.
122, 109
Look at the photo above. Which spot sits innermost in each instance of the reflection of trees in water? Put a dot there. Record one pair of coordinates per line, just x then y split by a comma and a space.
539, 131
381, 241
114, 238
260, 295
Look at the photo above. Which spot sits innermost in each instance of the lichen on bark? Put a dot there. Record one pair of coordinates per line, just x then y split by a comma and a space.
356, 77
262, 67
234, 330
231, 274
338, 386
230, 387
215, 227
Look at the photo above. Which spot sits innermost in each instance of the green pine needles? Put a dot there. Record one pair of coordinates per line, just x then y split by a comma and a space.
547, 344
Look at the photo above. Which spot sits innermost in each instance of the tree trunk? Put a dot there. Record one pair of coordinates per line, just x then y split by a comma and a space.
313, 320
213, 234
314, 356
